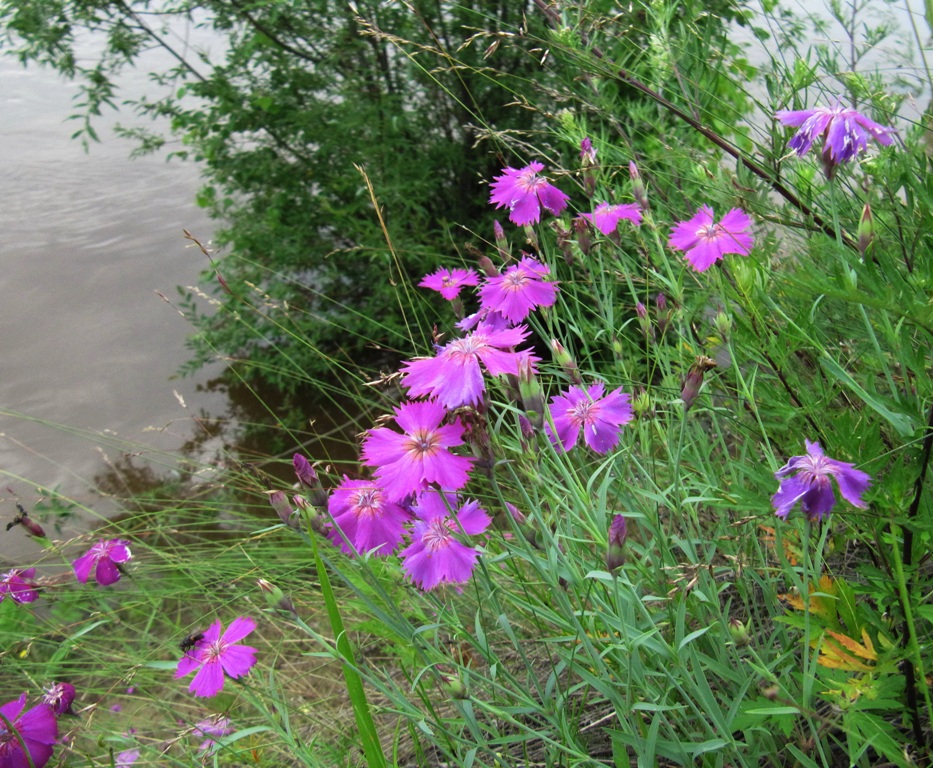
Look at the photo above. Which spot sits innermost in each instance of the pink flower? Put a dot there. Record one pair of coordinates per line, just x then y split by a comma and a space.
105, 557
126, 758
524, 193
519, 290
448, 282
705, 243
214, 728
36, 729
587, 151
60, 697
18, 584
454, 376
606, 217
811, 484
216, 655
845, 132
364, 516
408, 463
436, 555
599, 417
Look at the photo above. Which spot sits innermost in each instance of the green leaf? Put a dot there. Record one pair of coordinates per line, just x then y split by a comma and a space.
901, 422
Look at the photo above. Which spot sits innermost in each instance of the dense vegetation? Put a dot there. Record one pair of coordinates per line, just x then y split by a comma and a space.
663, 501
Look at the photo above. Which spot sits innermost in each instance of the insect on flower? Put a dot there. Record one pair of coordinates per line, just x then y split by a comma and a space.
188, 642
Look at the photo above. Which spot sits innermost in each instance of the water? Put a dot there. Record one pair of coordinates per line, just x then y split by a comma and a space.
88, 346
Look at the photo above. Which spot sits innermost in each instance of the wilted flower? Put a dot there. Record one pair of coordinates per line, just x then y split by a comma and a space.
449, 282
215, 655
606, 217
36, 730
587, 151
694, 379
705, 242
436, 555
524, 193
18, 584
521, 288
408, 463
600, 417
845, 132
366, 518
811, 484
105, 558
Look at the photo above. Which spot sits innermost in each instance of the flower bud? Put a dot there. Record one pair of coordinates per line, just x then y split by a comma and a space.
615, 552
646, 328
563, 358
304, 471
866, 230
531, 393
739, 633
454, 686
582, 230
638, 187
641, 403
32, 526
283, 508
502, 245
694, 380
723, 324
487, 267
276, 598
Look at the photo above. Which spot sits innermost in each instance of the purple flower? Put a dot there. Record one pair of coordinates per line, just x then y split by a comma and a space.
705, 243
60, 697
217, 655
213, 728
104, 558
606, 217
845, 132
436, 555
524, 193
519, 290
126, 758
587, 151
410, 462
454, 376
599, 416
37, 729
18, 584
811, 485
448, 282
364, 516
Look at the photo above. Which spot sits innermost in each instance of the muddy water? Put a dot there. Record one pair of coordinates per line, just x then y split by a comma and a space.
87, 346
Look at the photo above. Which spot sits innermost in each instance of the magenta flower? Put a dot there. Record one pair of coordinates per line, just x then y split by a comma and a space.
524, 193
126, 758
364, 516
60, 697
599, 417
454, 376
18, 584
449, 282
213, 728
704, 242
410, 462
587, 151
105, 558
606, 217
215, 655
37, 729
845, 132
519, 290
811, 485
436, 554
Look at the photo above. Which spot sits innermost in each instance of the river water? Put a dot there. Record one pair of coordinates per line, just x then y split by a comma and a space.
87, 240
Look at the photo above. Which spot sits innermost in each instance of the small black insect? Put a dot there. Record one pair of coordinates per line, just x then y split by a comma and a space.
189, 641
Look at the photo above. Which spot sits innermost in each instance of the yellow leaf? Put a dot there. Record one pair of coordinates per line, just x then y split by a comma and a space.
854, 646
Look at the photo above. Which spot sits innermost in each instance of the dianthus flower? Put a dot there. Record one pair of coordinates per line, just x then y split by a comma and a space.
127, 758
606, 217
408, 463
36, 729
436, 555
705, 243
524, 193
366, 518
18, 584
600, 417
104, 558
213, 728
217, 655
811, 485
521, 288
449, 282
60, 697
845, 132
454, 376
